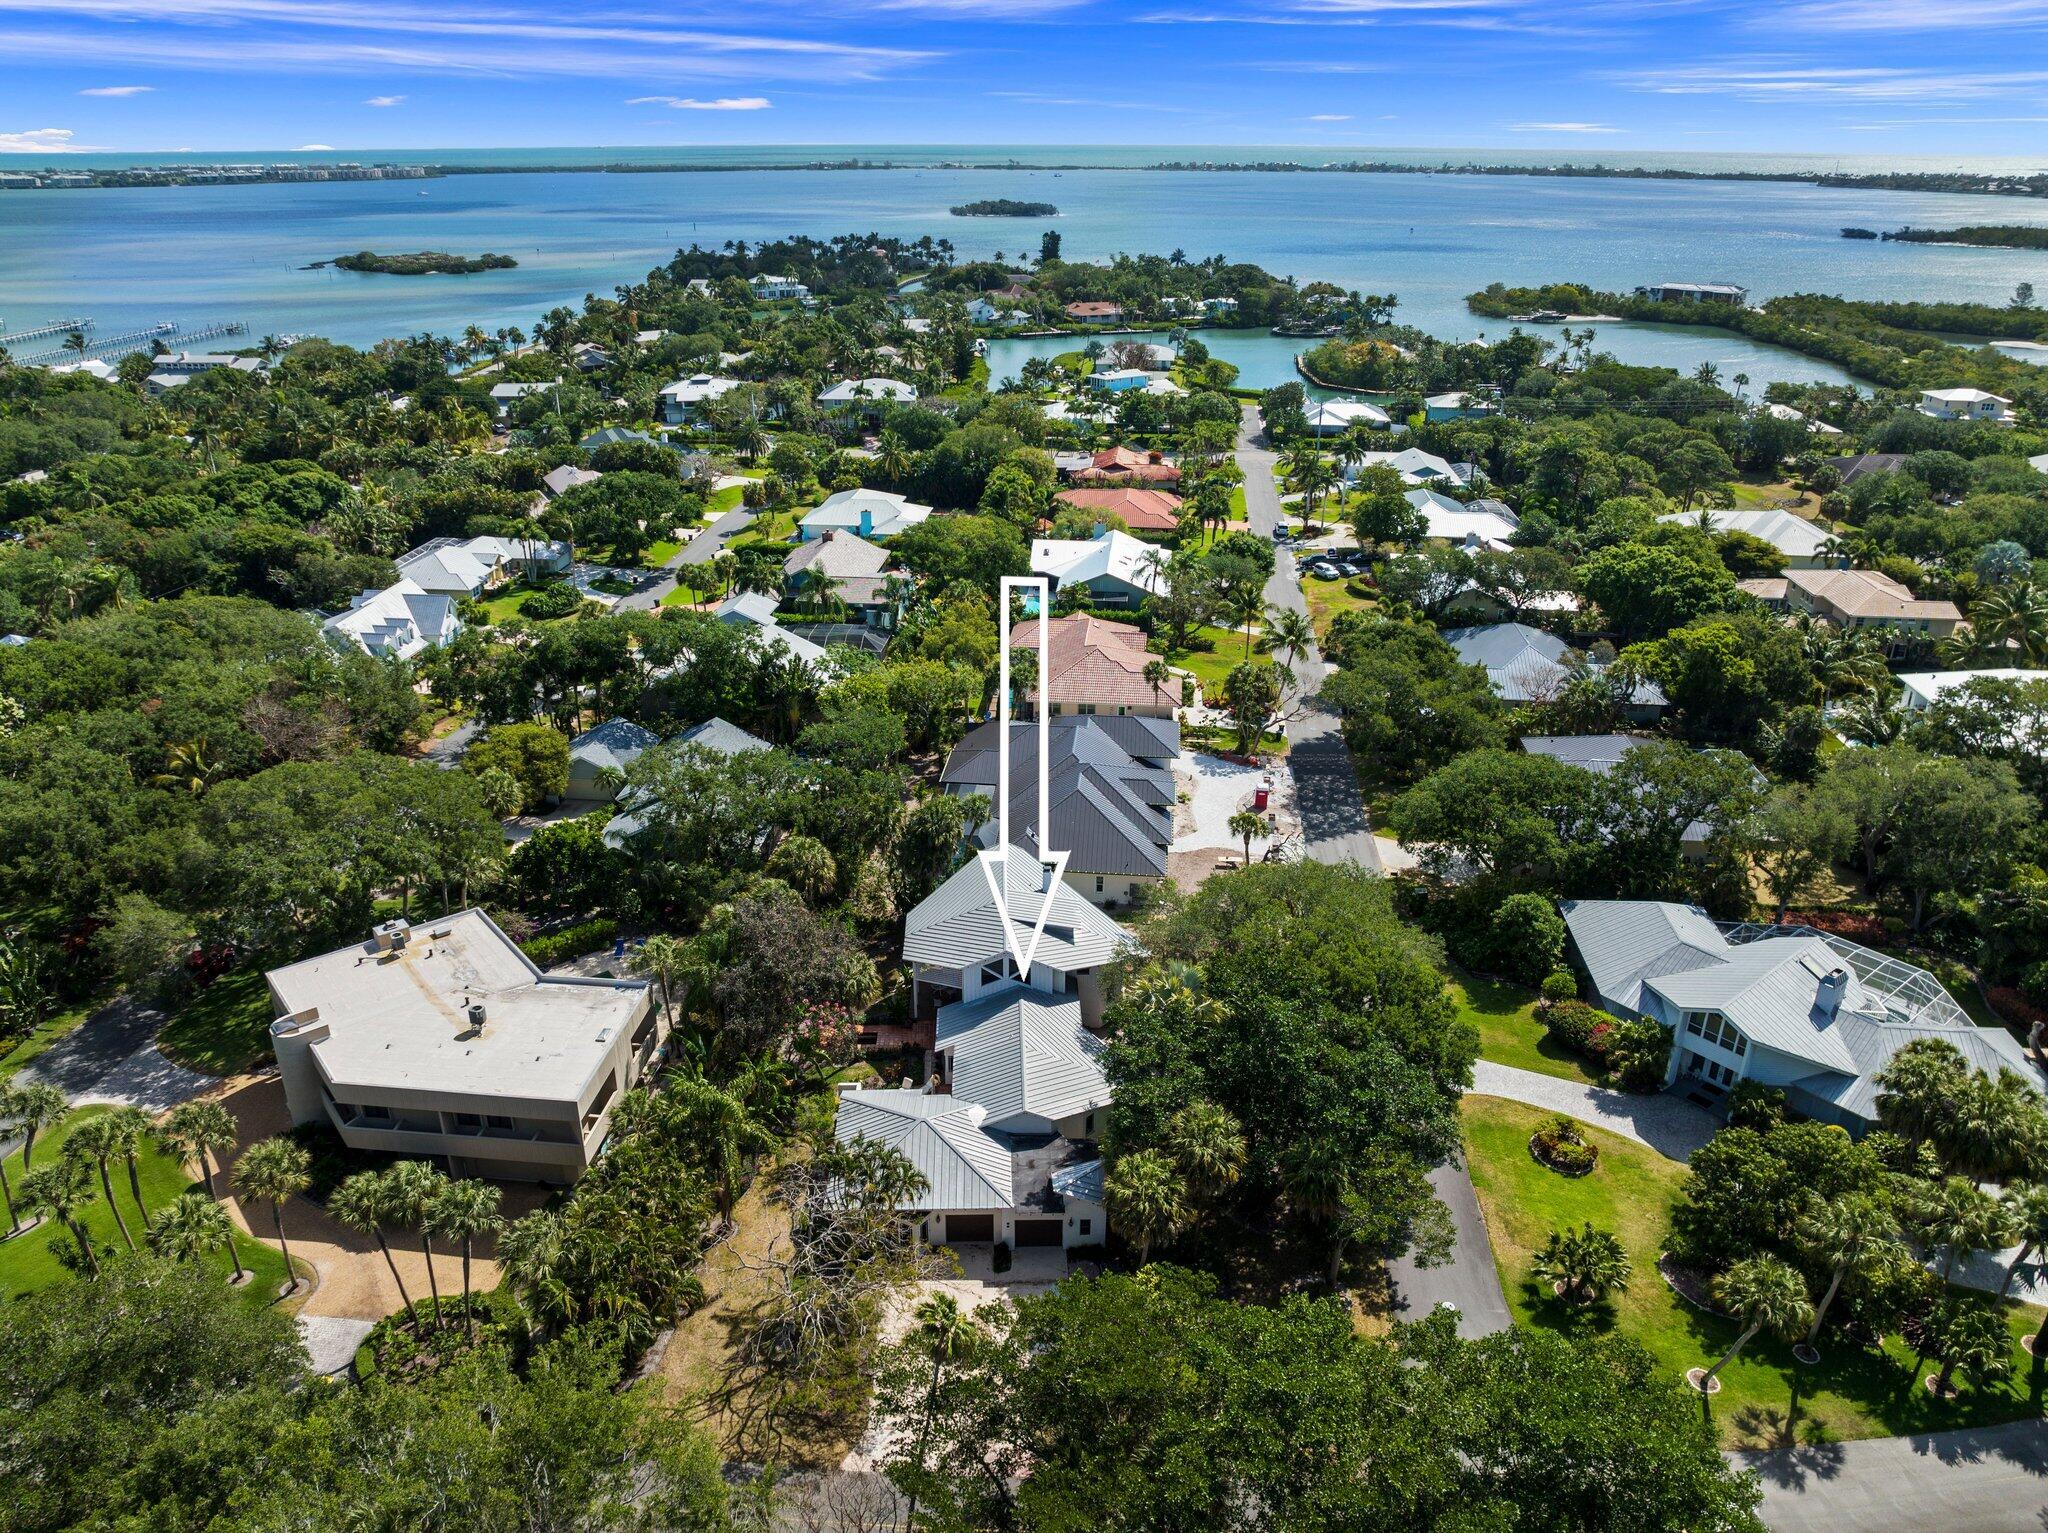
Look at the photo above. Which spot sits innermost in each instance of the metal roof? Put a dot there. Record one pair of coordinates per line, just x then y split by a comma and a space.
1113, 811
958, 926
941, 1136
1624, 942
1023, 1051
1082, 1182
715, 734
614, 743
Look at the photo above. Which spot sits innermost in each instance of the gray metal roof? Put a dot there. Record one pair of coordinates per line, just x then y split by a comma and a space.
1624, 942
716, 734
1527, 665
1023, 1051
614, 743
1772, 991
958, 925
1596, 753
940, 1135
1112, 811
1156, 741
1082, 1182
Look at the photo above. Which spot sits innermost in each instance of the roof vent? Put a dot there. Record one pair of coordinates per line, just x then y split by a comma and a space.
976, 1113
476, 1015
386, 936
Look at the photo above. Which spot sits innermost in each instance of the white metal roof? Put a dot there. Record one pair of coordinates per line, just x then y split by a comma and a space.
1021, 1050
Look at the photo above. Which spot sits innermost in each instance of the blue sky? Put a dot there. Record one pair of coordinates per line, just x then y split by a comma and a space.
1947, 78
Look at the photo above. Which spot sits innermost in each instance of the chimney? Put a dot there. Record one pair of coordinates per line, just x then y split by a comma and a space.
1100, 529
867, 522
1833, 986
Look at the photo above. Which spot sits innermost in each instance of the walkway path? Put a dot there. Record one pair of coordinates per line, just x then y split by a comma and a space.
1981, 1480
1333, 823
1670, 1125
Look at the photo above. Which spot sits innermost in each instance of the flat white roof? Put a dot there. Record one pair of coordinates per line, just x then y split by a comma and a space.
399, 1020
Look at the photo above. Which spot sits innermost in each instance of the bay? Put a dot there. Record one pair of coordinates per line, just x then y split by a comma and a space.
129, 258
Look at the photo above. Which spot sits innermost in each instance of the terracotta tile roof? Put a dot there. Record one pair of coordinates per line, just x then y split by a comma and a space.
1141, 510
1119, 463
1093, 660
1866, 593
1094, 309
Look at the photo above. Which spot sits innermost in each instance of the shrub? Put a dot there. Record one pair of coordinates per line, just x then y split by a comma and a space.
1560, 985
2015, 1007
1527, 937
1636, 1051
999, 1256
1751, 1104
1560, 1146
552, 601
1866, 929
570, 941
1572, 1023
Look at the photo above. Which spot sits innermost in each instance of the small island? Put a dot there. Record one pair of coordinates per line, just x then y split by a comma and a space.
1990, 236
1005, 207
420, 263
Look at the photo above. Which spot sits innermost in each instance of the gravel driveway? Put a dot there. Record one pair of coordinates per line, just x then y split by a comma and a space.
1669, 1125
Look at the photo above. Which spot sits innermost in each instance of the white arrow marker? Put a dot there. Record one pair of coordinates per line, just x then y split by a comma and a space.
997, 866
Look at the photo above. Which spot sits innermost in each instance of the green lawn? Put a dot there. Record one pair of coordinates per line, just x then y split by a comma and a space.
27, 1265
1509, 1033
226, 1028
1237, 511
660, 553
727, 499
500, 607
1766, 1400
39, 1038
1330, 599
1210, 666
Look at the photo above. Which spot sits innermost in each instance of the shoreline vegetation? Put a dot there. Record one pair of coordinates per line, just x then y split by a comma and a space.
418, 263
1984, 236
1961, 183
1004, 207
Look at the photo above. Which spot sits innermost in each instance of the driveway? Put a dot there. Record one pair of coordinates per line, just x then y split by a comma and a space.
701, 549
1981, 1480
112, 1058
1668, 1124
1333, 822
1468, 1280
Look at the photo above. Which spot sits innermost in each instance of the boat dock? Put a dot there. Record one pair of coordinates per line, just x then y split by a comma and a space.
133, 340
54, 327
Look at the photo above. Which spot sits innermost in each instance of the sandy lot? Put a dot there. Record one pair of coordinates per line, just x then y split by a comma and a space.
354, 1282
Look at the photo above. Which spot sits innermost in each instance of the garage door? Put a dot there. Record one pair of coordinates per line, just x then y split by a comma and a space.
1038, 1232
970, 1227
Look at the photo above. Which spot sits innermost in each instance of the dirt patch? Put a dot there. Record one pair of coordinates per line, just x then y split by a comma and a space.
354, 1283
1189, 870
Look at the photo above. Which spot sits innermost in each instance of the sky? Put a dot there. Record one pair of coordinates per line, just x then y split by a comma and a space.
1954, 78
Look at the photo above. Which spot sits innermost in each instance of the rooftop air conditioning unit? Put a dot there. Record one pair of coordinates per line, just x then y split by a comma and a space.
387, 935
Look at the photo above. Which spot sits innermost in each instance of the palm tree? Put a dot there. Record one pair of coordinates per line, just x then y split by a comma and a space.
1995, 1127
533, 1256
59, 1191
99, 1140
186, 766
1843, 1234
1208, 1146
9, 1094
413, 1186
1157, 673
1970, 1334
945, 1332
1289, 635
276, 1170
1764, 1294
1585, 1264
192, 1226
360, 1203
1143, 1196
1244, 825
199, 1131
725, 1134
37, 1106
1918, 1089
130, 1129
74, 342
1959, 1217
1244, 604
2026, 1205
666, 959
462, 1211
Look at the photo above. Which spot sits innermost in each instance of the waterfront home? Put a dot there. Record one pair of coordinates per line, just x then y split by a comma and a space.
857, 574
863, 512
589, 357
1726, 293
1117, 569
397, 622
1921, 690
1119, 380
1813, 1014
1219, 308
443, 1040
1413, 465
472, 566
1095, 313
1864, 599
980, 311
1458, 405
1109, 790
564, 477
1787, 413
778, 289
867, 396
1095, 667
611, 746
1488, 524
1140, 510
1602, 754
192, 363
92, 367
505, 395
1128, 465
756, 610
1804, 544
1527, 665
1334, 417
1863, 464
1965, 405
684, 400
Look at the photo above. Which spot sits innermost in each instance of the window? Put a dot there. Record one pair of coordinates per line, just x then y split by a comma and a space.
1099, 883
1089, 1126
498, 1120
1086, 710
467, 1120
1717, 1030
372, 1110
1087, 1225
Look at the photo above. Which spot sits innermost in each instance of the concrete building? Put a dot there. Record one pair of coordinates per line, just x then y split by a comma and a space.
1334, 417
778, 289
611, 746
1864, 599
1094, 666
1788, 1006
505, 395
1140, 510
443, 1040
1921, 690
1696, 292
1488, 524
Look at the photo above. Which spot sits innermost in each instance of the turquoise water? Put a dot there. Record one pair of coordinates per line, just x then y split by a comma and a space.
196, 255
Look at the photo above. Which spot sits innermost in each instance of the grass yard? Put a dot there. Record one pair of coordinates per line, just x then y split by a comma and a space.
727, 499
659, 553
32, 1043
1509, 1033
225, 1029
27, 1264
1238, 514
1209, 667
498, 608
1766, 1399
1330, 599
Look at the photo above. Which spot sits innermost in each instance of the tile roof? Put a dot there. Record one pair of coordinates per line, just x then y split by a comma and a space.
1141, 510
1866, 593
1092, 660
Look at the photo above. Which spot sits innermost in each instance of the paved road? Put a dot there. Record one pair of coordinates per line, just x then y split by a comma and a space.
701, 549
112, 1057
1334, 827
1983, 1480
1469, 1280
1668, 1124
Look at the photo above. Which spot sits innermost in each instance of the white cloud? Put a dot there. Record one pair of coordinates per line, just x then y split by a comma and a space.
1561, 127
384, 101
691, 104
316, 149
1330, 117
118, 90
1907, 15
1780, 80
40, 141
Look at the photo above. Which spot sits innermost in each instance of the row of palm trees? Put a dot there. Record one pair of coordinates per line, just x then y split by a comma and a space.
412, 1195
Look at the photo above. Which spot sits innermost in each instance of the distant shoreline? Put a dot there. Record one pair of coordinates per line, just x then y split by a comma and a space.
1960, 183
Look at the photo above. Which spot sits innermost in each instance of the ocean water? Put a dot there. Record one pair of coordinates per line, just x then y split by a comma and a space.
199, 255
